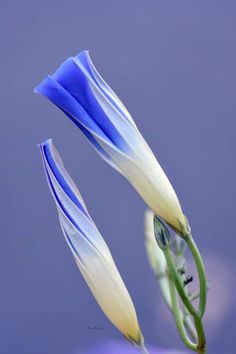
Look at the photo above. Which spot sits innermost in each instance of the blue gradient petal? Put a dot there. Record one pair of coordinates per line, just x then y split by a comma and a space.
73, 248
60, 178
78, 89
72, 77
68, 104
70, 218
84, 59
88, 248
94, 143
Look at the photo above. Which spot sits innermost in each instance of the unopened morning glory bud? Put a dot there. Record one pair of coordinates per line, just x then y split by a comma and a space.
156, 257
81, 93
162, 234
89, 248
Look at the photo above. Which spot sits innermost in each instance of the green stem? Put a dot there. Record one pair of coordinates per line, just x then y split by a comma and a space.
179, 318
185, 316
201, 273
200, 334
201, 351
178, 281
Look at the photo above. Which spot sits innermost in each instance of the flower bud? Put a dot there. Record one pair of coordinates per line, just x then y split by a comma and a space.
88, 248
162, 234
81, 93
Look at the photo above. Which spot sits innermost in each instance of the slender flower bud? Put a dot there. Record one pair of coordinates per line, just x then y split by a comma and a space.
156, 257
81, 93
89, 249
162, 234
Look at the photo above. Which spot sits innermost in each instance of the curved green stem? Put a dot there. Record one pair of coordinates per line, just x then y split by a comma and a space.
178, 282
185, 316
201, 273
179, 318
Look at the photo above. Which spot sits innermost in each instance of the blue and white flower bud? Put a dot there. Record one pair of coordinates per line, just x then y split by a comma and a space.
81, 93
89, 248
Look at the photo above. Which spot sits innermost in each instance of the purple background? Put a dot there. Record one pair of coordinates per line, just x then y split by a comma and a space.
173, 65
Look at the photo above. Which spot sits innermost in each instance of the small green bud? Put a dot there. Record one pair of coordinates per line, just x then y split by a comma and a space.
162, 234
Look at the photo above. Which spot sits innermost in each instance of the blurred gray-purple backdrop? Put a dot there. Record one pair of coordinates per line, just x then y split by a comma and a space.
173, 63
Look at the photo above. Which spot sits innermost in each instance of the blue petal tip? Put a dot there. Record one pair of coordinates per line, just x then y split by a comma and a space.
83, 53
45, 143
